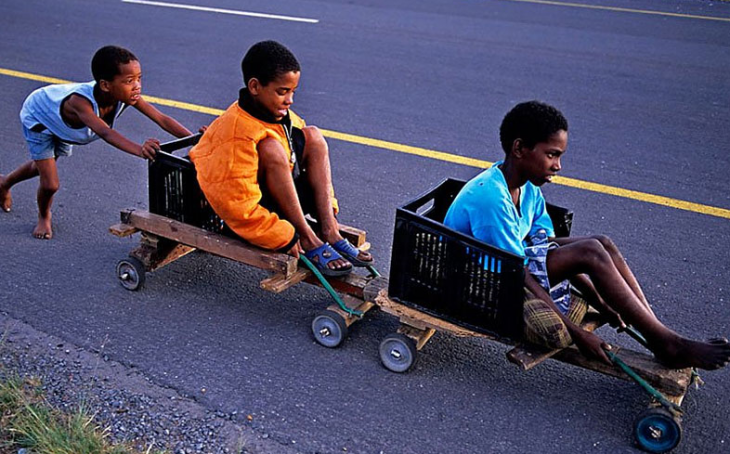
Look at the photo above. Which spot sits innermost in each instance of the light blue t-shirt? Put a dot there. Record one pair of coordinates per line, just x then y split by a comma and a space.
43, 106
484, 209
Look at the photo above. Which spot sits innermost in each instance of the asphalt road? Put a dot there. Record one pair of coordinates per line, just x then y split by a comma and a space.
647, 97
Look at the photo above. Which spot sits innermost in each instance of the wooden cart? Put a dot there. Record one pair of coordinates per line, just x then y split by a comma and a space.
166, 236
657, 429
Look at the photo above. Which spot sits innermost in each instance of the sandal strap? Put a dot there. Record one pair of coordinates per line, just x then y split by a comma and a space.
347, 247
325, 254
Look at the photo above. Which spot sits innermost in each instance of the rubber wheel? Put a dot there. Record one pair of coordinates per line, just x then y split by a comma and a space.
657, 430
329, 329
131, 273
398, 352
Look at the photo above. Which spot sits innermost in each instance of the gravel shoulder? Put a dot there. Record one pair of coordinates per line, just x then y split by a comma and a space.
124, 400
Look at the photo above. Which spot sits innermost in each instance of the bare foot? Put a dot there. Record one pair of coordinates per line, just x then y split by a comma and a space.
6, 200
43, 230
710, 355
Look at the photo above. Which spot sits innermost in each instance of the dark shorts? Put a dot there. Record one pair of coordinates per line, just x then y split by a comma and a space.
301, 180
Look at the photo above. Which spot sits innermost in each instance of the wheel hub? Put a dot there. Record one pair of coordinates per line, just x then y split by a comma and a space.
656, 432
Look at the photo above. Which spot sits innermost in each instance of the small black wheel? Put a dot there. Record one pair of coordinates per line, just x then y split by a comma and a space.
130, 272
657, 430
329, 328
398, 352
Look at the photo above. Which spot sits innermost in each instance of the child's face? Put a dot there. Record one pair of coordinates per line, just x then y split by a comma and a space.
543, 161
276, 96
127, 85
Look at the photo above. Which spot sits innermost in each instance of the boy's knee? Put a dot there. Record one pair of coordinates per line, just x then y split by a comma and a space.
49, 187
594, 252
606, 242
314, 140
272, 155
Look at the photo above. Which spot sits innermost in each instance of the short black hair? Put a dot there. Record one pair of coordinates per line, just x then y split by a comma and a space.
107, 60
531, 121
266, 61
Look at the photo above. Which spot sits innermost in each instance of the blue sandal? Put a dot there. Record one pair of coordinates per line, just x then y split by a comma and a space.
324, 255
350, 252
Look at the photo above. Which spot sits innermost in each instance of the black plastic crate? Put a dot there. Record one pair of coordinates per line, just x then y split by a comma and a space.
454, 276
174, 191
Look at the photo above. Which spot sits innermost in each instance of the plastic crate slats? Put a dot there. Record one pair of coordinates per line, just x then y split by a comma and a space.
450, 275
175, 193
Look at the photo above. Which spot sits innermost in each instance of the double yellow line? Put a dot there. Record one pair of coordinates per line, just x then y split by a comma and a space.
433, 154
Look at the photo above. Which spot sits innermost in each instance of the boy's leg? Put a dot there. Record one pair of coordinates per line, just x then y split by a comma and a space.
48, 186
275, 175
618, 260
590, 257
22, 173
319, 175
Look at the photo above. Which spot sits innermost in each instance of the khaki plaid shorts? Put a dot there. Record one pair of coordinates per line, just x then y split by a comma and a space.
544, 327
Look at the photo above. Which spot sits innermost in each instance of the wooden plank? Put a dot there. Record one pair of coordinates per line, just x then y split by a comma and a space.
352, 284
214, 243
354, 235
155, 253
419, 319
527, 356
673, 382
373, 288
352, 303
122, 230
421, 336
677, 400
280, 282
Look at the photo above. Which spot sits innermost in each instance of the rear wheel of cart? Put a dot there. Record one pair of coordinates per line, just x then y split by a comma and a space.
329, 328
131, 273
657, 430
398, 352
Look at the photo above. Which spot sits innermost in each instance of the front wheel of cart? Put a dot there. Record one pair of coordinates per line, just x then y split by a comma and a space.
398, 352
329, 329
657, 430
131, 273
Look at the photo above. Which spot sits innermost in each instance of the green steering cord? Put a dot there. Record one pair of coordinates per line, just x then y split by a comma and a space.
328, 287
643, 383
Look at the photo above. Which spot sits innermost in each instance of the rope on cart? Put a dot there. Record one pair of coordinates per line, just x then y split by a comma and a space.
328, 287
635, 334
695, 378
373, 271
644, 384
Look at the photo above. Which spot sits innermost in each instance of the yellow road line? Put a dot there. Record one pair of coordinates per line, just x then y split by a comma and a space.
564, 181
437, 155
624, 10
22, 75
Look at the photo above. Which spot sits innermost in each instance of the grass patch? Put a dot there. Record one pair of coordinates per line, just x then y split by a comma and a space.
27, 420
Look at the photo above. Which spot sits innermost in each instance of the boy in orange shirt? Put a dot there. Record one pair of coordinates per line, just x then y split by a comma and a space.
262, 169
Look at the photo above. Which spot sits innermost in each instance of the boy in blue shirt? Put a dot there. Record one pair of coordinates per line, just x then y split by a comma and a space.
504, 207
56, 117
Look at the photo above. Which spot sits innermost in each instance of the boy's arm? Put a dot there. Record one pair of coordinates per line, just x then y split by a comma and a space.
166, 122
588, 343
83, 110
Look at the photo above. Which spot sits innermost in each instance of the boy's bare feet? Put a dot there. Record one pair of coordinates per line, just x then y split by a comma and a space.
43, 230
6, 201
710, 355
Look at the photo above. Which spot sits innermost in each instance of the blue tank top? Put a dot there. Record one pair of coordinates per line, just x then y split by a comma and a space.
43, 107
